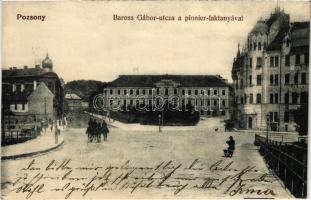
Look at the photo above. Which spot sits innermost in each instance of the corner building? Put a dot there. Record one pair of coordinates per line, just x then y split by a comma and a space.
271, 74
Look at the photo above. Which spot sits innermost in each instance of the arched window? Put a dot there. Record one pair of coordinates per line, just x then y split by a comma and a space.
258, 98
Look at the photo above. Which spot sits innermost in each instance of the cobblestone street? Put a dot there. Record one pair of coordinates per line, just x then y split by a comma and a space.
195, 154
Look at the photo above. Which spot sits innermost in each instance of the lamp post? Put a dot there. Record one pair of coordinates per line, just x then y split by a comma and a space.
160, 122
45, 108
267, 128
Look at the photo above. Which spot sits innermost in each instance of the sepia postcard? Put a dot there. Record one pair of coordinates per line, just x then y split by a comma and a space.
155, 99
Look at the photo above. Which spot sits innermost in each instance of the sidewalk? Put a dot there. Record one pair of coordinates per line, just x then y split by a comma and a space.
42, 144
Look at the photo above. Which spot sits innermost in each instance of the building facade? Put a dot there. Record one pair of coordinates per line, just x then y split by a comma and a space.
271, 74
209, 95
33, 91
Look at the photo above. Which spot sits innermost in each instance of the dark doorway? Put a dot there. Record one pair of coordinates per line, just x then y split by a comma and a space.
250, 122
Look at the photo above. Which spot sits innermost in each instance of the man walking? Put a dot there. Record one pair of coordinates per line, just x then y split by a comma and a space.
57, 133
104, 130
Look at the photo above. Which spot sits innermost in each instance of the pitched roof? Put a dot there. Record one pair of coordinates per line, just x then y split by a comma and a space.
41, 90
72, 96
184, 80
22, 96
260, 28
300, 34
25, 72
276, 44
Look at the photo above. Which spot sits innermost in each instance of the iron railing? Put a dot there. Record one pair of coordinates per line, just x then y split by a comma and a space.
288, 161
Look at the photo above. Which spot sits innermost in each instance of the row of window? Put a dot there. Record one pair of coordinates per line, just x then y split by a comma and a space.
16, 107
297, 98
274, 79
257, 45
298, 59
166, 91
274, 60
158, 102
258, 79
274, 117
243, 100
303, 78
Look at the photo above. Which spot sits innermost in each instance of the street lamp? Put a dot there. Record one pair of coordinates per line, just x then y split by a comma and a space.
160, 122
267, 128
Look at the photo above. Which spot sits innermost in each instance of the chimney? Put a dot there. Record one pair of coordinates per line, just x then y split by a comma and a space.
25, 67
34, 85
14, 68
37, 66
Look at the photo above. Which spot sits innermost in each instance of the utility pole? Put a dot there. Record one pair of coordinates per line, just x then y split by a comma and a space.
160, 123
45, 108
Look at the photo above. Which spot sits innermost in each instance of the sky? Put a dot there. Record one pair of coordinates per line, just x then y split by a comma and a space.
84, 42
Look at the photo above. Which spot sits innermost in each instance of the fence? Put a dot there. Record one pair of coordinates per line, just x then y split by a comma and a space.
288, 161
12, 134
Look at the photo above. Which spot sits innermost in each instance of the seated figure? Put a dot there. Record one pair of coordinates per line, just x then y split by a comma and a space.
231, 143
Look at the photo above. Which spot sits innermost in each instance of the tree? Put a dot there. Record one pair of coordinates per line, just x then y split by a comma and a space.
301, 119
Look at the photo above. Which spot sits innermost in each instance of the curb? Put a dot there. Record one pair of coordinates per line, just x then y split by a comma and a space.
113, 126
13, 157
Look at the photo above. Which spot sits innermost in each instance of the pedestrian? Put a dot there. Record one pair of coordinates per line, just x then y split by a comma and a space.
98, 132
43, 126
231, 143
56, 133
64, 122
89, 130
52, 126
105, 130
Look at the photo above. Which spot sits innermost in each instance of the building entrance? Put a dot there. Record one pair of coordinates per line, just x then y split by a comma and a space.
250, 122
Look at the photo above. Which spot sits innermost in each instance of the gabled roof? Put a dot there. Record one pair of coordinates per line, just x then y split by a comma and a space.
42, 89
183, 80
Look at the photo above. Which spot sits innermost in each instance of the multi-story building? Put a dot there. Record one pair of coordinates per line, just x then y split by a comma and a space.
32, 91
270, 75
208, 94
